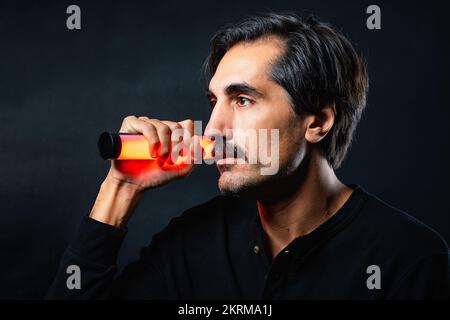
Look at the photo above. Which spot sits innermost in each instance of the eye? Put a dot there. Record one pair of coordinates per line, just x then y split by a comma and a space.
212, 102
243, 101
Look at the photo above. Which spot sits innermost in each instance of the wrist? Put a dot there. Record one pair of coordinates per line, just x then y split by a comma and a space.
115, 202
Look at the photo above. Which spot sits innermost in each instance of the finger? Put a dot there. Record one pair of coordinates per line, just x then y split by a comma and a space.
188, 126
176, 131
196, 150
132, 124
164, 135
185, 168
177, 141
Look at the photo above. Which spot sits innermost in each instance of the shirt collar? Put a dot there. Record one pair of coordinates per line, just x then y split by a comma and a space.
303, 245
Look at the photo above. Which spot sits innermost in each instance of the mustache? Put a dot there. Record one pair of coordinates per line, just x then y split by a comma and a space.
225, 148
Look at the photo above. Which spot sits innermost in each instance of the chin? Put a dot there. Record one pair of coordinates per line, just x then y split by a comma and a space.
240, 182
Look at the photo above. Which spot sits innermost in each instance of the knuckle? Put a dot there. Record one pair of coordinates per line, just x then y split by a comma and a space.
188, 125
177, 125
126, 123
129, 118
147, 126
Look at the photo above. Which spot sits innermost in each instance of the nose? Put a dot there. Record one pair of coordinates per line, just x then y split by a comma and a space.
220, 122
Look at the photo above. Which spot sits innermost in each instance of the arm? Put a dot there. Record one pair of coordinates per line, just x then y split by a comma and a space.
95, 248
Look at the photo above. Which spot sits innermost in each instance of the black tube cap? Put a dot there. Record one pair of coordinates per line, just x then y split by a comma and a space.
109, 145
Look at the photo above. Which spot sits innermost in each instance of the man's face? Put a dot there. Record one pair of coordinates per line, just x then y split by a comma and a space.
244, 97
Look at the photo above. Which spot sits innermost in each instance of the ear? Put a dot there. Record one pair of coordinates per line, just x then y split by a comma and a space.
318, 126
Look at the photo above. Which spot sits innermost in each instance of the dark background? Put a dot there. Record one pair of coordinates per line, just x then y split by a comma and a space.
59, 89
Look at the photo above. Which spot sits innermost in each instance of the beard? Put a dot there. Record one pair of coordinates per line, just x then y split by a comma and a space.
250, 178
247, 180
235, 180
238, 178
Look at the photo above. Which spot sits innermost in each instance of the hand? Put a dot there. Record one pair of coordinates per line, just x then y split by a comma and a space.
127, 179
145, 174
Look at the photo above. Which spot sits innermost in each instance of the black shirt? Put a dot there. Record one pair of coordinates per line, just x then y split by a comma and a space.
216, 251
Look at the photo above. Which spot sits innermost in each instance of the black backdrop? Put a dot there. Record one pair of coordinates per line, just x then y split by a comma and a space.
59, 89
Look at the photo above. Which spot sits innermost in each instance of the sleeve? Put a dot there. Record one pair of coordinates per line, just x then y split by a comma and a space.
429, 278
93, 254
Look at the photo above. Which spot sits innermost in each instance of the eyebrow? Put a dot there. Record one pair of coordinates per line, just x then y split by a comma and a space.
235, 88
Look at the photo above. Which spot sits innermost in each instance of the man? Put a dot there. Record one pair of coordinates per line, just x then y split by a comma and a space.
297, 234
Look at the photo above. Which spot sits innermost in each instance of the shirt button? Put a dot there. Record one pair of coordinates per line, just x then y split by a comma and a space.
256, 249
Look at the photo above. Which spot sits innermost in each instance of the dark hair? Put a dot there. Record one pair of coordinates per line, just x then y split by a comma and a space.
318, 66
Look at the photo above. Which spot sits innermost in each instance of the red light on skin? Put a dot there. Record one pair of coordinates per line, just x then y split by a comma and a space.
136, 147
134, 155
146, 167
136, 167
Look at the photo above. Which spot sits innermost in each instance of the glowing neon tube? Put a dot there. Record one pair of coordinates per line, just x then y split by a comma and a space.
125, 146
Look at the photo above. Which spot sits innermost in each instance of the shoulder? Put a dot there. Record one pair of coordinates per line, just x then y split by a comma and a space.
398, 231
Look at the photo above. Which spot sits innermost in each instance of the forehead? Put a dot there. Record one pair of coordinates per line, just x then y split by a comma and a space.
246, 62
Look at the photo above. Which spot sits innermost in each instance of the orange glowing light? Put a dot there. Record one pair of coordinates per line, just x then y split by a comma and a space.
208, 148
136, 147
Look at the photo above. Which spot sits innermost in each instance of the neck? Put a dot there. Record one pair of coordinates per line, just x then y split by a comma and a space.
309, 199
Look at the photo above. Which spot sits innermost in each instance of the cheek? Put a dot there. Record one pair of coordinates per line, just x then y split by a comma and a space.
251, 118
292, 145
291, 133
